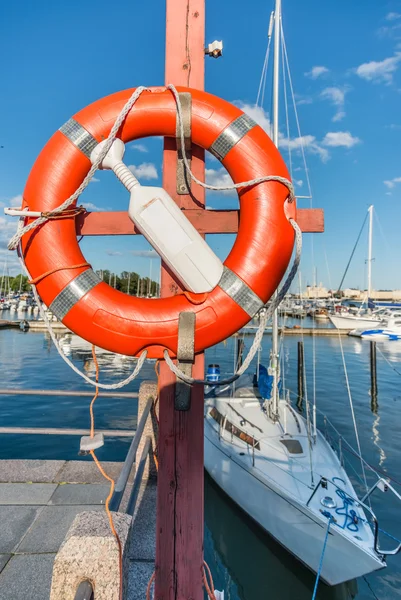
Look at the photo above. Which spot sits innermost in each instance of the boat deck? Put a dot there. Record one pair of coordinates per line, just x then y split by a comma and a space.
39, 499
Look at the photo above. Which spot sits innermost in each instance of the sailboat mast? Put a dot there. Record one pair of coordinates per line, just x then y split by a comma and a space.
370, 239
276, 83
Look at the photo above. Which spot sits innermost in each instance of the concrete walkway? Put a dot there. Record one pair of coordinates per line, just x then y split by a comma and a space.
38, 502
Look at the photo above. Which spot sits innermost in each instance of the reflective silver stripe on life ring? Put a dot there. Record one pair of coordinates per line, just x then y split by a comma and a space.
240, 292
231, 136
74, 291
79, 136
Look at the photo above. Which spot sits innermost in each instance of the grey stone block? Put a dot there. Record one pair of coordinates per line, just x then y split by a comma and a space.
37, 471
50, 528
4, 558
26, 493
27, 577
76, 493
90, 552
138, 578
143, 543
148, 389
79, 471
15, 522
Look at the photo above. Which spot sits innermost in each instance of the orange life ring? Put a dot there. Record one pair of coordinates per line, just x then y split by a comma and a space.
126, 324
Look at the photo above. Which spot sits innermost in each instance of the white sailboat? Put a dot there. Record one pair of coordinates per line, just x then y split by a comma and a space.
362, 319
389, 328
280, 469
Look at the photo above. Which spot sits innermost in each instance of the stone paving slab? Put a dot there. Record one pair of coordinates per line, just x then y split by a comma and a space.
26, 493
14, 523
38, 471
75, 493
79, 471
50, 528
138, 579
143, 544
4, 558
27, 577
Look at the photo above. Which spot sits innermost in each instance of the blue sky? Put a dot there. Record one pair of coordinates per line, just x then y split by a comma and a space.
345, 62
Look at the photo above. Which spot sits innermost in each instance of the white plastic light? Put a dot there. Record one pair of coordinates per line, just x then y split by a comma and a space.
165, 227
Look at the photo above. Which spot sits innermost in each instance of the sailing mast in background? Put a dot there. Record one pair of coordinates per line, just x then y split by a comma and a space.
370, 238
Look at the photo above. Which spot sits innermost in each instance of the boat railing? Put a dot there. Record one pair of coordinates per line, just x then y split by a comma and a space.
381, 484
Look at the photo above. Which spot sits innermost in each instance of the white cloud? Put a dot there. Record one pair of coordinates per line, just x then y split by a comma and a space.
145, 253
379, 71
340, 114
337, 139
91, 206
393, 16
220, 178
95, 180
139, 147
336, 96
391, 183
15, 201
307, 142
113, 253
316, 72
144, 171
298, 182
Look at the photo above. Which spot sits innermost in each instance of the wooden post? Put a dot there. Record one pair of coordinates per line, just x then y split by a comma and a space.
179, 537
300, 376
373, 377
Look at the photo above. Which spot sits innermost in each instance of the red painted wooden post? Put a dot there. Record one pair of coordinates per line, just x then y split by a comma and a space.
310, 220
179, 528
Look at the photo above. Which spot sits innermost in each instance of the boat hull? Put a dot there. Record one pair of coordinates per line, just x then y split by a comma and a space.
353, 322
288, 522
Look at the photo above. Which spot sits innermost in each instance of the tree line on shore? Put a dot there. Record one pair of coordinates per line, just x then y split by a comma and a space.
128, 282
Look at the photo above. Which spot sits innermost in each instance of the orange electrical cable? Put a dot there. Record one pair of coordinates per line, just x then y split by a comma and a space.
151, 580
103, 472
206, 573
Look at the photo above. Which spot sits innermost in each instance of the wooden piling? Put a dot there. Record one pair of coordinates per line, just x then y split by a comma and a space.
301, 382
373, 377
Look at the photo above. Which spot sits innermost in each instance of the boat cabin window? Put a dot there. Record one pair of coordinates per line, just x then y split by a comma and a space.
293, 446
245, 437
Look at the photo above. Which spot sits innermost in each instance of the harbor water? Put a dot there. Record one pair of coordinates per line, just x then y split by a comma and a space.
245, 561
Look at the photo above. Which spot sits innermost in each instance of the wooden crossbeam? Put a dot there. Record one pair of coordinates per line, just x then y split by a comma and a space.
310, 220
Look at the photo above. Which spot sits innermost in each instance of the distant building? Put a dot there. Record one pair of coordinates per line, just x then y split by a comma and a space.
317, 291
389, 295
353, 293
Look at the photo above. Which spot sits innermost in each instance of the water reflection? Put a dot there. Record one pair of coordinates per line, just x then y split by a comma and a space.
248, 564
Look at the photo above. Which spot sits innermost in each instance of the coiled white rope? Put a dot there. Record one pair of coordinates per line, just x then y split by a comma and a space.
14, 241
265, 315
105, 386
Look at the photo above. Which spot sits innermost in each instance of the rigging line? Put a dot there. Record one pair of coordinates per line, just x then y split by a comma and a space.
302, 145
262, 83
353, 252
376, 216
349, 394
388, 362
286, 103
321, 558
370, 587
310, 198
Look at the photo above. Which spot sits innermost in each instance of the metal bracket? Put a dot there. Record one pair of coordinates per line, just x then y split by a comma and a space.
185, 358
183, 178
